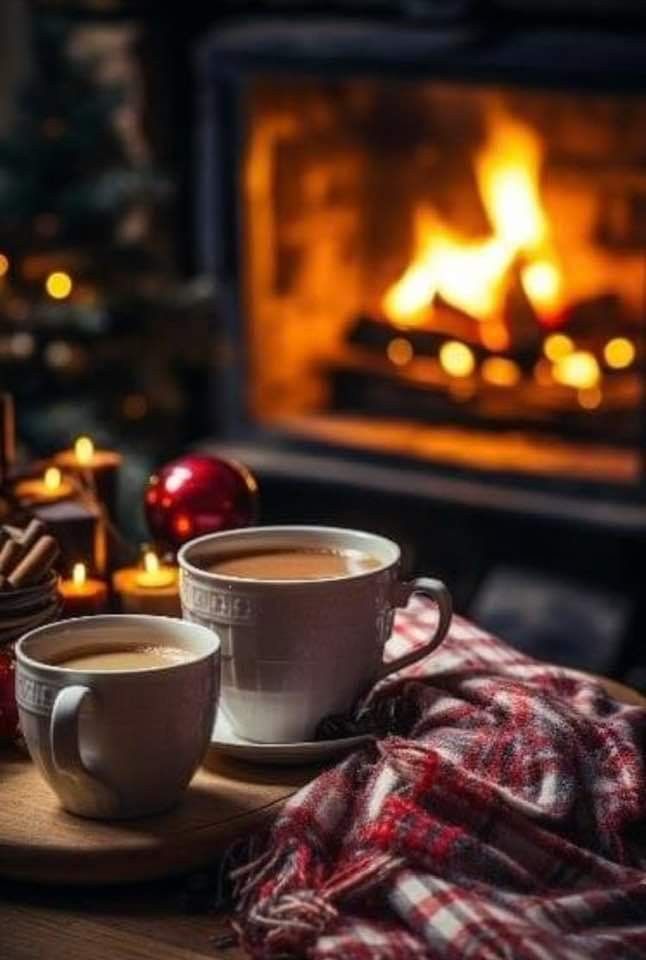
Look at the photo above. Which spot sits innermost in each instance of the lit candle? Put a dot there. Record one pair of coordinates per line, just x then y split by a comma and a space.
154, 574
49, 488
152, 588
100, 466
82, 595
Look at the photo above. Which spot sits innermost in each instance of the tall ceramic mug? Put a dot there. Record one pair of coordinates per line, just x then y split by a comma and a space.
295, 651
117, 743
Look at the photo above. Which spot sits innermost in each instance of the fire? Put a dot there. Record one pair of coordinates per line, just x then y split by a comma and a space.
474, 275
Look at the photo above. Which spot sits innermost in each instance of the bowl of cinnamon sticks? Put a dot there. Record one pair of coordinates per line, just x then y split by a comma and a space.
29, 593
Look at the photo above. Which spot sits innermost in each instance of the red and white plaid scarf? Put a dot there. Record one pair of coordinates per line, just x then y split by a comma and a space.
507, 824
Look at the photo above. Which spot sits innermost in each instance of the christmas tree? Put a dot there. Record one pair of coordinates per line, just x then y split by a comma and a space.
75, 210
97, 331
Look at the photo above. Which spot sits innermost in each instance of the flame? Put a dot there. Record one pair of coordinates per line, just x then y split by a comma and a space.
84, 451
508, 171
474, 275
52, 479
151, 562
79, 574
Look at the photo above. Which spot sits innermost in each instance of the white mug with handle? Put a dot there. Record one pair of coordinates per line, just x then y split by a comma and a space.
117, 743
295, 651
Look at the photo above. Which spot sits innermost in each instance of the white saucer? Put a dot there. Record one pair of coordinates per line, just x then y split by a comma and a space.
284, 754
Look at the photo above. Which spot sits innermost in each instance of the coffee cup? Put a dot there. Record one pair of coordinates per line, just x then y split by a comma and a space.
122, 737
297, 649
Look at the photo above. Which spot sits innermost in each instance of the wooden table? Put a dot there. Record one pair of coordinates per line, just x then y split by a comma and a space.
150, 921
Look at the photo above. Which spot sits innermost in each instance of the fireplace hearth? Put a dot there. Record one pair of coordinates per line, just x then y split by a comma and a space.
430, 246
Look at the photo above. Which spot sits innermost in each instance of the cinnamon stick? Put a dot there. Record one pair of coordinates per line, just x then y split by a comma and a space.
35, 564
9, 555
30, 534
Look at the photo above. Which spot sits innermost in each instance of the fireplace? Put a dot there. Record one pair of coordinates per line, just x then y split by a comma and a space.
430, 247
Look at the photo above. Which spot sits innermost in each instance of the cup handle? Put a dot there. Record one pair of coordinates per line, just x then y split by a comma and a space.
63, 730
438, 593
64, 742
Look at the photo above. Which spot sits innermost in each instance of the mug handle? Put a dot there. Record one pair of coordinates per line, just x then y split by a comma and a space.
64, 741
439, 594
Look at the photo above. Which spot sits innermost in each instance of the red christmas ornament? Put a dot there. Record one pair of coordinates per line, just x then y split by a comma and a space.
8, 708
199, 494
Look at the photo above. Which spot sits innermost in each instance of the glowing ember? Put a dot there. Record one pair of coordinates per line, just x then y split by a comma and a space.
399, 351
619, 353
557, 346
579, 369
590, 399
457, 359
500, 372
474, 276
543, 373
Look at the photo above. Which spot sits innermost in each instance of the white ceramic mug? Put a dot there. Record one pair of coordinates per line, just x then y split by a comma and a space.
295, 651
122, 743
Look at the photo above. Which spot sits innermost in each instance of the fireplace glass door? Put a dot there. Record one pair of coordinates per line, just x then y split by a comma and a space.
448, 272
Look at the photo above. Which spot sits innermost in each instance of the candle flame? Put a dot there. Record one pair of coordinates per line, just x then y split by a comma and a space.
151, 562
84, 451
79, 574
52, 479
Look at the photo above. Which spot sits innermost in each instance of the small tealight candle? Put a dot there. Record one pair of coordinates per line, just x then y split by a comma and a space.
101, 465
82, 595
151, 589
154, 574
49, 488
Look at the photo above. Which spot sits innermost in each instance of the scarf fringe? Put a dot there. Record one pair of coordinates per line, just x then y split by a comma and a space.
292, 917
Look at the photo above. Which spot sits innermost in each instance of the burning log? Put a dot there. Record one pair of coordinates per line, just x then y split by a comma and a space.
596, 317
376, 335
520, 320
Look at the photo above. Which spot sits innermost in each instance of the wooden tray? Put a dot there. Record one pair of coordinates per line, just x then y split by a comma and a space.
41, 842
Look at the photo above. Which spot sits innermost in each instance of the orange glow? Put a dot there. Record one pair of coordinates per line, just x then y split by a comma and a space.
4, 264
183, 525
543, 285
543, 373
474, 275
79, 575
399, 351
590, 399
579, 369
557, 346
456, 359
500, 372
619, 353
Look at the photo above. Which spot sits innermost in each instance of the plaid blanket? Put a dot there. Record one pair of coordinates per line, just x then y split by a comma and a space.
508, 822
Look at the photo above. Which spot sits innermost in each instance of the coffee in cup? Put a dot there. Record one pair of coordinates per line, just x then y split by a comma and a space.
304, 614
117, 711
313, 563
138, 657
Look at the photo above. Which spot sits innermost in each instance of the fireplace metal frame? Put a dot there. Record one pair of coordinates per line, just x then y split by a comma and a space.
540, 57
